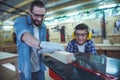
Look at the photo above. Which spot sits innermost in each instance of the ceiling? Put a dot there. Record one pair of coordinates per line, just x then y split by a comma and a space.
10, 9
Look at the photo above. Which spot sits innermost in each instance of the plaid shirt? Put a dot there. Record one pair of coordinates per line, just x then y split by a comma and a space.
89, 47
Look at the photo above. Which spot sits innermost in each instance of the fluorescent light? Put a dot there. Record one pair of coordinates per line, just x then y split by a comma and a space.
51, 18
8, 22
107, 6
7, 28
72, 14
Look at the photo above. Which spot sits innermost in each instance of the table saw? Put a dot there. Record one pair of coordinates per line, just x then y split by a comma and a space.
85, 67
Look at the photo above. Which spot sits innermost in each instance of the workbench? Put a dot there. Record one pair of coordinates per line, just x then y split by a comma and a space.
103, 46
9, 58
10, 48
110, 50
107, 46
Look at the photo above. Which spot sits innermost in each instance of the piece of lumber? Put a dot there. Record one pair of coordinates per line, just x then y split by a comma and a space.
62, 56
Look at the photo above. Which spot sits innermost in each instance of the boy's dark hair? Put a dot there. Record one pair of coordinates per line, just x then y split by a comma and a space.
36, 3
82, 26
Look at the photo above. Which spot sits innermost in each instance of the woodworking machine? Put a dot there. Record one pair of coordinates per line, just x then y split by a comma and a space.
81, 66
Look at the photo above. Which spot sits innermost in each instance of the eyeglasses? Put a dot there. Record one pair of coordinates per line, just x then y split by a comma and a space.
81, 35
38, 15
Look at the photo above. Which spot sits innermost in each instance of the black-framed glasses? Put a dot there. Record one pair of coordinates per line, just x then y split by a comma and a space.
38, 15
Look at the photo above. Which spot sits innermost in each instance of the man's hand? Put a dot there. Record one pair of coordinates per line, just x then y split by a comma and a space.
50, 47
41, 51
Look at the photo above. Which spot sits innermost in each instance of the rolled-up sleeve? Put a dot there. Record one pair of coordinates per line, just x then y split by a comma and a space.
20, 27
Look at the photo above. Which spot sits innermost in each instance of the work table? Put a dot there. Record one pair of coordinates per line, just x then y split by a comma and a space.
10, 48
107, 46
9, 58
103, 46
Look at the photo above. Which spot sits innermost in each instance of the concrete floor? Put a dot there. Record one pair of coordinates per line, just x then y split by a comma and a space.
7, 72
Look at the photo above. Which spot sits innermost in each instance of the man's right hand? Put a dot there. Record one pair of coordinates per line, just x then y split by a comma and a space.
50, 47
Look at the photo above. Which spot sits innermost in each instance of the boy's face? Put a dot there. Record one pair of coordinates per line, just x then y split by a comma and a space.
37, 15
81, 36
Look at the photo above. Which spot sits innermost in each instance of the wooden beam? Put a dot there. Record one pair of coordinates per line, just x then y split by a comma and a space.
62, 56
68, 4
17, 6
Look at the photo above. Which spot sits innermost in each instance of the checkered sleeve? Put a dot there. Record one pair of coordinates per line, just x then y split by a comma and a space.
92, 48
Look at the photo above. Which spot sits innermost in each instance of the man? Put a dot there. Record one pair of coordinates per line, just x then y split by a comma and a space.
31, 36
81, 43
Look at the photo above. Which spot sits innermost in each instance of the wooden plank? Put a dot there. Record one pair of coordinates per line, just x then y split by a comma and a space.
63, 56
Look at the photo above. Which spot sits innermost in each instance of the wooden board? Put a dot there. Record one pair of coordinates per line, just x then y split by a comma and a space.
63, 56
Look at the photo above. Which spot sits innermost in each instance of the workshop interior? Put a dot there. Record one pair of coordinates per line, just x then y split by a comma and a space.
103, 19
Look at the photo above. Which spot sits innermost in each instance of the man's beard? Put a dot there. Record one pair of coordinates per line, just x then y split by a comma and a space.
37, 23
